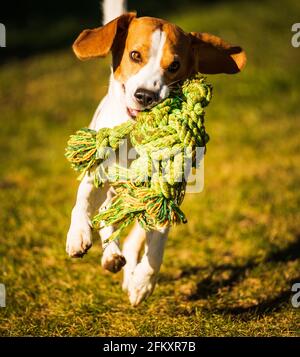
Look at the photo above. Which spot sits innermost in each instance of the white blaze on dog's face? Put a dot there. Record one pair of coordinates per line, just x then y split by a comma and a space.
147, 86
150, 54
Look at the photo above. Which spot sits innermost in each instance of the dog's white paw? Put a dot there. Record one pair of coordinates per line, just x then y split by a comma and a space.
112, 259
79, 238
141, 285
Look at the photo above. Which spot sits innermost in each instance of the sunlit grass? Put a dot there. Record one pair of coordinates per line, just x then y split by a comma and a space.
229, 271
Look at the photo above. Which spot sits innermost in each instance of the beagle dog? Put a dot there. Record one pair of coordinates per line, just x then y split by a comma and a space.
148, 56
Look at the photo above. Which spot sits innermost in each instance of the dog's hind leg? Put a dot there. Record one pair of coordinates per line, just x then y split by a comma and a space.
143, 280
131, 250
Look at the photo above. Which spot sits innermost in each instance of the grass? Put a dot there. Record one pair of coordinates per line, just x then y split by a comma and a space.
229, 271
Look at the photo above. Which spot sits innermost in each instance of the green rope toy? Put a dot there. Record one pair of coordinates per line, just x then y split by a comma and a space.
165, 139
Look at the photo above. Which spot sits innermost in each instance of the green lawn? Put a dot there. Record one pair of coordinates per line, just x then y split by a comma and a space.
229, 271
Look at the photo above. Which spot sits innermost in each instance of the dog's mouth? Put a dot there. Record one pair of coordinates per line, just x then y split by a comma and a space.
133, 112
130, 111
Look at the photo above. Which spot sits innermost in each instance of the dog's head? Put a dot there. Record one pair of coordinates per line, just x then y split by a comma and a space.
150, 54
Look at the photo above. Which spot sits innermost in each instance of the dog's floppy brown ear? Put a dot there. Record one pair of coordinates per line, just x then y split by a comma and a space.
98, 42
213, 55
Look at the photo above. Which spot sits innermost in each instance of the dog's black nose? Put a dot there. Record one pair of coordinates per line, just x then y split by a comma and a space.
145, 96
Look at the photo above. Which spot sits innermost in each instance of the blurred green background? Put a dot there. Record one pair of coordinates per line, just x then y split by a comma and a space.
229, 271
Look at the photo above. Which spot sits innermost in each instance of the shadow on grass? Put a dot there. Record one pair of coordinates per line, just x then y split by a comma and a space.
273, 304
236, 273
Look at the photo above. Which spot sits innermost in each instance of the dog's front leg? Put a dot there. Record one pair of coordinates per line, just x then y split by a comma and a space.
144, 277
79, 238
112, 258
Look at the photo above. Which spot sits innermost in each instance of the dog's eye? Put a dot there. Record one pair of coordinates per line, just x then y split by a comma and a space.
135, 56
174, 67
